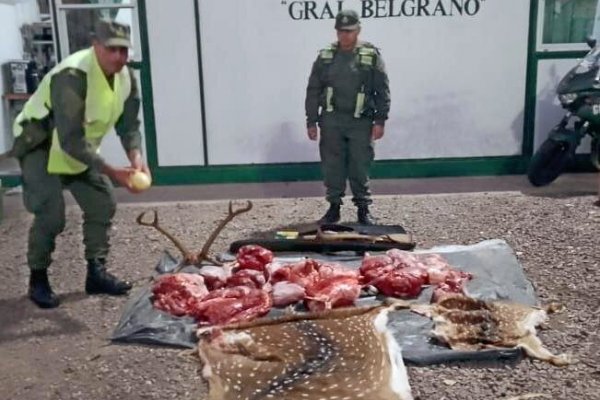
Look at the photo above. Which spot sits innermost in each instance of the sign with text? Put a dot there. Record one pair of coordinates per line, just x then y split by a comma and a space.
457, 73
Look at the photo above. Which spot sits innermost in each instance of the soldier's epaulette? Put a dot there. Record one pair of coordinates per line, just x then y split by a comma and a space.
326, 54
367, 54
369, 46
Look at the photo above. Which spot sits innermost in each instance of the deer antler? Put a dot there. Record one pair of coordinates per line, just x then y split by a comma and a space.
203, 255
188, 257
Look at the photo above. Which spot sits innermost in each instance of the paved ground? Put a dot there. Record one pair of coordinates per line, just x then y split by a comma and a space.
64, 353
566, 185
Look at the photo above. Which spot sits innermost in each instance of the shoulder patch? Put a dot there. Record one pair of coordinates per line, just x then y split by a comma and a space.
327, 53
369, 47
367, 51
366, 55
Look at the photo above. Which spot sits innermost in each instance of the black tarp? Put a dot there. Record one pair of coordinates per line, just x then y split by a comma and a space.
497, 276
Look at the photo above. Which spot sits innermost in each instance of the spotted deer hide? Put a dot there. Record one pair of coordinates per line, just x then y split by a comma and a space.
469, 324
336, 354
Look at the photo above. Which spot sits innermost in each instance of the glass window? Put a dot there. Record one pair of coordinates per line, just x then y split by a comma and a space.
80, 24
569, 21
44, 7
77, 18
95, 2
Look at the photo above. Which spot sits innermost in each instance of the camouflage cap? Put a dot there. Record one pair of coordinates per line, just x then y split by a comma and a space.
112, 34
347, 20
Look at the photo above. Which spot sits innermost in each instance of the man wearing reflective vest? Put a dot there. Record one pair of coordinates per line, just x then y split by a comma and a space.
348, 98
57, 141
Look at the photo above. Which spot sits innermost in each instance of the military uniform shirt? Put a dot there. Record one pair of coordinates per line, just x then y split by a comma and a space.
344, 75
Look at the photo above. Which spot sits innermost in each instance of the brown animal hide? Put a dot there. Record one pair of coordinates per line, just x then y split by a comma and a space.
469, 324
345, 353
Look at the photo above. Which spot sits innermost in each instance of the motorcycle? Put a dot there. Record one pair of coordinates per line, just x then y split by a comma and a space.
579, 94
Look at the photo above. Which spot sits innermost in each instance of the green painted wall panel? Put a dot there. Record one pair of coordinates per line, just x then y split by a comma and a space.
311, 171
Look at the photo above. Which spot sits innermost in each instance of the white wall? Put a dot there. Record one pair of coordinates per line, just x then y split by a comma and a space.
13, 14
175, 82
10, 49
457, 83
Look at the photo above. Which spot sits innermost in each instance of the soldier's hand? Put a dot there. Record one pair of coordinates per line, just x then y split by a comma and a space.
146, 170
141, 166
377, 132
138, 164
312, 132
122, 176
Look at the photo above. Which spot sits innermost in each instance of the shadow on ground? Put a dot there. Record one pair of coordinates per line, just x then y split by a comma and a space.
21, 319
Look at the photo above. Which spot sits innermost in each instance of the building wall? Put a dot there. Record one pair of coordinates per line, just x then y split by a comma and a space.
10, 49
175, 82
12, 16
224, 83
457, 81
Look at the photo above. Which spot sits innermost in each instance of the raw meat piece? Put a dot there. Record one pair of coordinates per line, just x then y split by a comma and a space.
215, 277
403, 283
330, 270
254, 257
224, 306
303, 273
247, 277
328, 293
453, 284
286, 293
403, 258
178, 293
373, 267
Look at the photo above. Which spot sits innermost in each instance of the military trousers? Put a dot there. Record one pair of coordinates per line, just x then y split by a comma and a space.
43, 197
347, 152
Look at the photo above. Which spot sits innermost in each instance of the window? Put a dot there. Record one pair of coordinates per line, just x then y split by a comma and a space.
76, 19
565, 24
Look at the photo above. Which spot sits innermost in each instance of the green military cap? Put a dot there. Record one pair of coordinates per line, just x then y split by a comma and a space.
347, 20
112, 34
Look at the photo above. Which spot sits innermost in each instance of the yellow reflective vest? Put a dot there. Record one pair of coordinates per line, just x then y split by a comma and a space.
103, 107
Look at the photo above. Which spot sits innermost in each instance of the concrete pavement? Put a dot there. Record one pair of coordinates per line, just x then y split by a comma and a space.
569, 185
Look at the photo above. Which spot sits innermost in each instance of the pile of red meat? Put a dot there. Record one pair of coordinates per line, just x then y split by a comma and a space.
222, 295
402, 274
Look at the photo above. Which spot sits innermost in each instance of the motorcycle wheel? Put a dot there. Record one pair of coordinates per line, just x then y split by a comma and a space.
595, 154
549, 161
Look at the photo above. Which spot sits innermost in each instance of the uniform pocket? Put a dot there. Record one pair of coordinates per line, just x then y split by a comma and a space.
39, 187
32, 137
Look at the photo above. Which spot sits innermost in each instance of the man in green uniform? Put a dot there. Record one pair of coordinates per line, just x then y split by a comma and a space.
57, 141
348, 98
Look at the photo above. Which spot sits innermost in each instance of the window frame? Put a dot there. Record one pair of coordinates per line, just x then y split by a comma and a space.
60, 9
549, 47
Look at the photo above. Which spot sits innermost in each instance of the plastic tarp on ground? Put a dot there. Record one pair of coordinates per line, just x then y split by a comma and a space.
497, 276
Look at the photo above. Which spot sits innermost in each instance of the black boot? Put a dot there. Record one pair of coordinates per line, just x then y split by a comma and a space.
100, 281
40, 291
332, 215
364, 216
